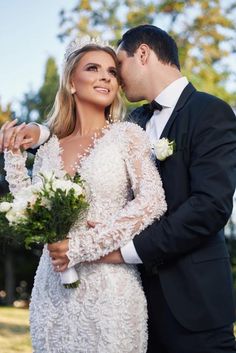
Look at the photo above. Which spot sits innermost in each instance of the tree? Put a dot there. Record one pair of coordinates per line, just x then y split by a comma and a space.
108, 17
204, 30
29, 107
47, 92
36, 105
5, 113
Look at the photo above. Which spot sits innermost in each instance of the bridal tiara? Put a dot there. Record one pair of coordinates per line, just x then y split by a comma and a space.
80, 42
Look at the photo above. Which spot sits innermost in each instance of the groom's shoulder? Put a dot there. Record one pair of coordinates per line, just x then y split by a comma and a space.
208, 100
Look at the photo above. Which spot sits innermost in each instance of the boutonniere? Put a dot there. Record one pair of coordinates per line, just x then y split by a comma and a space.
164, 148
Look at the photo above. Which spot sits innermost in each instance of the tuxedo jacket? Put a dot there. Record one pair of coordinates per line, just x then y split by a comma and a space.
186, 248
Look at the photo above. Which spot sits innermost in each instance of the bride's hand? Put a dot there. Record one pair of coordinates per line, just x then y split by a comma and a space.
13, 137
57, 252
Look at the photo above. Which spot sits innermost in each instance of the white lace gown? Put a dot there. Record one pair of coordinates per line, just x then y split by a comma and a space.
107, 313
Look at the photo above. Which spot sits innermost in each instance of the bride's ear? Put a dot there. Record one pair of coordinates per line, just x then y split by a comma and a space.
143, 53
72, 90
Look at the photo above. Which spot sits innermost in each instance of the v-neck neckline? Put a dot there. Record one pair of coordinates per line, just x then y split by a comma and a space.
84, 158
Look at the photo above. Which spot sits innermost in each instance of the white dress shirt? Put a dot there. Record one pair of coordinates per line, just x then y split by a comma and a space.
168, 99
154, 127
43, 135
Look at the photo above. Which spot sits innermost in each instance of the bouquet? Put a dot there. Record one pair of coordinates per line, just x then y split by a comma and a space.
43, 213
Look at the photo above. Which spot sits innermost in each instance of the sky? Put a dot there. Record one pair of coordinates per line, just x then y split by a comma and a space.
28, 36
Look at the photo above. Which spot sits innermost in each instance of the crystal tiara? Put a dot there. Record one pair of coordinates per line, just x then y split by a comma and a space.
79, 43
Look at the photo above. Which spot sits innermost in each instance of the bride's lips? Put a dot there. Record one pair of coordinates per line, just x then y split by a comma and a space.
102, 89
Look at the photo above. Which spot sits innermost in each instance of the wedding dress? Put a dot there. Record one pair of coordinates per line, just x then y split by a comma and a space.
107, 313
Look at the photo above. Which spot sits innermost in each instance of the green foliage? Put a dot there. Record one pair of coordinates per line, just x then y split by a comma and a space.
48, 219
29, 107
205, 32
36, 105
47, 92
5, 113
109, 17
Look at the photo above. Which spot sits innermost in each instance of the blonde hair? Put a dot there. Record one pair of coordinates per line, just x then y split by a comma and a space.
62, 117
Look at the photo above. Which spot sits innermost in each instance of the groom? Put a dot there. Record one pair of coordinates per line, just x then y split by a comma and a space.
186, 270
185, 264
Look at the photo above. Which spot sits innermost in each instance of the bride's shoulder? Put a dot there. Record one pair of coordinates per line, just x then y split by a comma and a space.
132, 138
129, 128
131, 131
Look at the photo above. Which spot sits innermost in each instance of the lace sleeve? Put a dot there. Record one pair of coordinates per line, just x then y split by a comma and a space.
16, 171
148, 204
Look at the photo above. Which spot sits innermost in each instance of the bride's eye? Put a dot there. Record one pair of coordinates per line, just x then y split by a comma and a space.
92, 68
113, 72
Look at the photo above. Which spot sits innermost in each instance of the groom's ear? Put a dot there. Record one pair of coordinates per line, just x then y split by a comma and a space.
143, 52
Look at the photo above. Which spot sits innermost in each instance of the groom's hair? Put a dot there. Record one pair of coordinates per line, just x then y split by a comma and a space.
158, 40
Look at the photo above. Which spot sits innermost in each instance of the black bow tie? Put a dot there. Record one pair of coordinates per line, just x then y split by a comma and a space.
155, 106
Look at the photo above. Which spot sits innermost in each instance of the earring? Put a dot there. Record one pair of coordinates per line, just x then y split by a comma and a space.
110, 118
72, 90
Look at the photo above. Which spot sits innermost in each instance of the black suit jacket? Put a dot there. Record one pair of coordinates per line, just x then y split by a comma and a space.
187, 247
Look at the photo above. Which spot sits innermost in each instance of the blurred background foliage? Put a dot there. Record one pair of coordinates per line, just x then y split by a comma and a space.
205, 32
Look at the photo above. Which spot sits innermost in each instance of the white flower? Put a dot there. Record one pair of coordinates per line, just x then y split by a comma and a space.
26, 196
46, 203
164, 148
5, 206
15, 216
64, 185
78, 189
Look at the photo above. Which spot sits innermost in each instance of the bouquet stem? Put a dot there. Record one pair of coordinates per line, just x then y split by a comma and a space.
69, 278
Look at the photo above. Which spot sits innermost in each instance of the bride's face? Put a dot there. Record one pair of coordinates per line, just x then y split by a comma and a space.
95, 79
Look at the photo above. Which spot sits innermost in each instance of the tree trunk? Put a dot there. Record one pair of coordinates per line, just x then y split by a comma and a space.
9, 278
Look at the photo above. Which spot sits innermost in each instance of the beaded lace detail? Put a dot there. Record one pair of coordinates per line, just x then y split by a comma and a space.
107, 313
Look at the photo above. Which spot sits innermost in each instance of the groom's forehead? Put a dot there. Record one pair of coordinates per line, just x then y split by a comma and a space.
121, 54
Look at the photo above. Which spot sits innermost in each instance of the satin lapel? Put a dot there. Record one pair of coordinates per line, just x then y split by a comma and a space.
187, 92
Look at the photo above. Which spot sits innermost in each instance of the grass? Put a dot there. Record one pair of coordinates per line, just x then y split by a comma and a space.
14, 330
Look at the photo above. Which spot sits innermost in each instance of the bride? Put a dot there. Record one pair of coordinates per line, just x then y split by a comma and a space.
107, 312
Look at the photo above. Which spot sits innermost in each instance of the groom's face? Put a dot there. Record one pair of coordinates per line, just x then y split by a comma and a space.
131, 77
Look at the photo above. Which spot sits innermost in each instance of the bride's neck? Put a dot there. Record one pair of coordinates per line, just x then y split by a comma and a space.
89, 120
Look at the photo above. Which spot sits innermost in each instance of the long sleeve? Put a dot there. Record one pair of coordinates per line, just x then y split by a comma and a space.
16, 171
148, 204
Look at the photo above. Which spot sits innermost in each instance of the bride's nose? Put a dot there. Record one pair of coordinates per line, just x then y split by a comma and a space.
104, 76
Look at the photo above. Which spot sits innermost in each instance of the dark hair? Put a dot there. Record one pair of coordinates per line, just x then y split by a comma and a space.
158, 40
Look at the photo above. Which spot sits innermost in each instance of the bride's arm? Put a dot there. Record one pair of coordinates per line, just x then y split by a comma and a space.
16, 171
148, 204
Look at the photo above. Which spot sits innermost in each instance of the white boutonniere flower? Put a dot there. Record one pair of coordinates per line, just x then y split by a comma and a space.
164, 148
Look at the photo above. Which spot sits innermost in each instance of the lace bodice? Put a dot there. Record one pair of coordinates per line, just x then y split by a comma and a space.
125, 196
119, 162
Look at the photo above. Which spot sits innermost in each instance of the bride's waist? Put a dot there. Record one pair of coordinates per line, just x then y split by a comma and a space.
105, 268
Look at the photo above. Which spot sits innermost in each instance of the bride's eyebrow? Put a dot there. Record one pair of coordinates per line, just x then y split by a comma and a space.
99, 65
